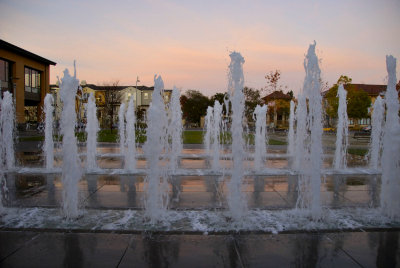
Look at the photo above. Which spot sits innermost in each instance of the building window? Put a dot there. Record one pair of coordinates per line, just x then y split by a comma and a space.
5, 75
146, 96
32, 80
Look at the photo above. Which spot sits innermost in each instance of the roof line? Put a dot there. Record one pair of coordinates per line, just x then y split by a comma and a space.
18, 50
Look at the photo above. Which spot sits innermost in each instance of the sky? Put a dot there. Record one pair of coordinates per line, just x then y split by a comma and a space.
188, 42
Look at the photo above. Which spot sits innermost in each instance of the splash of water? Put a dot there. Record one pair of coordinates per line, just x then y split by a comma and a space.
2, 180
377, 121
130, 159
175, 130
260, 136
212, 138
7, 124
310, 172
301, 133
48, 146
342, 131
121, 128
390, 188
92, 128
291, 137
208, 125
71, 167
156, 191
217, 126
236, 198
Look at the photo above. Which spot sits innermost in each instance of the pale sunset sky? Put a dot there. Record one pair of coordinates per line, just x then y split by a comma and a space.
188, 42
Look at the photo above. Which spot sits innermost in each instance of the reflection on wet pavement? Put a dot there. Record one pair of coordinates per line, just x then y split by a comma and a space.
350, 249
190, 192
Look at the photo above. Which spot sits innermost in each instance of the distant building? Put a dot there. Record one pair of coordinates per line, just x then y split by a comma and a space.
26, 75
278, 109
108, 101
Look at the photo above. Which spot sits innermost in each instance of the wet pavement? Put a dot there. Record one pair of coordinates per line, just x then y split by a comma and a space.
115, 248
53, 249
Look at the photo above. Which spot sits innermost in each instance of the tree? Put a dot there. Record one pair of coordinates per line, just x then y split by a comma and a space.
251, 99
111, 101
331, 96
291, 94
358, 101
273, 82
219, 97
194, 106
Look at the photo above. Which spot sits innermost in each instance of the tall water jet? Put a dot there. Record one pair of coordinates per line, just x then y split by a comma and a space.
217, 125
121, 128
208, 125
7, 124
342, 131
92, 128
377, 120
156, 191
130, 156
71, 167
1, 138
236, 198
310, 173
301, 133
390, 188
2, 179
291, 137
260, 137
175, 130
48, 146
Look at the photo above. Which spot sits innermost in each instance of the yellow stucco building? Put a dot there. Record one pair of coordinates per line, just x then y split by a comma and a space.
27, 76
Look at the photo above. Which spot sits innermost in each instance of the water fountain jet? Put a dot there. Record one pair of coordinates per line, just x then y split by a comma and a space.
390, 187
156, 192
7, 124
236, 199
174, 130
130, 156
92, 128
260, 137
48, 146
342, 131
377, 122
71, 167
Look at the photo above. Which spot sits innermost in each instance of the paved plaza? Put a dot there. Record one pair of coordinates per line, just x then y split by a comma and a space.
89, 247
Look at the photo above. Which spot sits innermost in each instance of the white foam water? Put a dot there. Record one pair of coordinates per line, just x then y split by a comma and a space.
174, 130
342, 131
236, 199
260, 136
130, 154
156, 182
390, 188
7, 133
377, 123
48, 146
92, 128
71, 165
291, 136
121, 128
310, 171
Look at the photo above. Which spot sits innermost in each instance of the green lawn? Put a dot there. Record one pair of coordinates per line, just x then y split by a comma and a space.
357, 151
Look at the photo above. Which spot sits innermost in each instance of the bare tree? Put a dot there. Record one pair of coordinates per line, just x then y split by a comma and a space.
112, 101
273, 78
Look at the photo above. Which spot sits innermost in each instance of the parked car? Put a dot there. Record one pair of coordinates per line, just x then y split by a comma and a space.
366, 128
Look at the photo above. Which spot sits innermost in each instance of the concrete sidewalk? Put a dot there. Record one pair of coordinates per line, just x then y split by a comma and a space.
54, 249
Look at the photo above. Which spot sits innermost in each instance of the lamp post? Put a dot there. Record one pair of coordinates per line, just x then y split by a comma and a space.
137, 81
